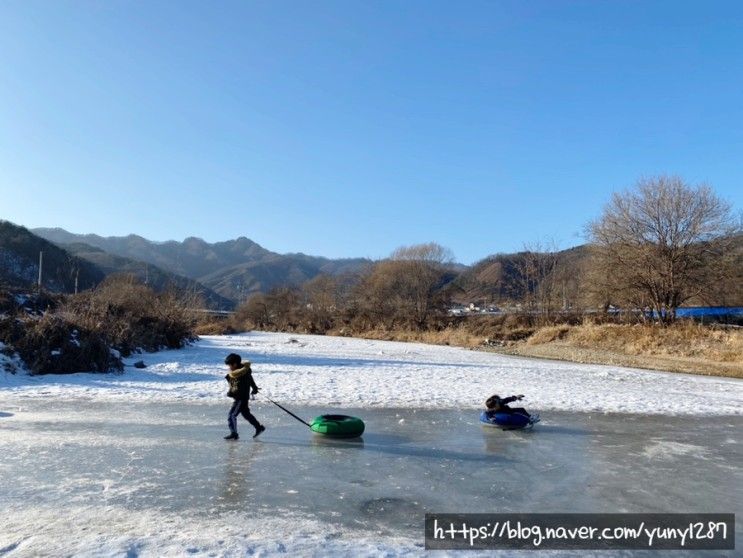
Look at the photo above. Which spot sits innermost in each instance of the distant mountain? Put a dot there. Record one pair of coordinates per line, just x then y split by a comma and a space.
19, 262
238, 282
234, 269
192, 258
150, 274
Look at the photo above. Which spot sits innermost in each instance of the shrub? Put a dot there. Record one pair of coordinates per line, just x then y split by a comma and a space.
132, 317
52, 344
77, 333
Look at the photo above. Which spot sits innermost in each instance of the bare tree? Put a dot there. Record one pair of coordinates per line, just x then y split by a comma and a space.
283, 306
255, 311
377, 299
661, 244
404, 289
321, 302
420, 273
535, 281
546, 261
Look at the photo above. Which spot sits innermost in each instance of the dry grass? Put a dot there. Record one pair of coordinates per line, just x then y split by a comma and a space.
549, 334
454, 336
458, 337
217, 327
684, 347
685, 339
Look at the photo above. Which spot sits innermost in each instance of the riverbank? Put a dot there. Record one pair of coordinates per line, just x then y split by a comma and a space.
686, 347
579, 355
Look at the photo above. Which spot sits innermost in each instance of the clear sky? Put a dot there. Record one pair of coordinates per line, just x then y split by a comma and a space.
350, 128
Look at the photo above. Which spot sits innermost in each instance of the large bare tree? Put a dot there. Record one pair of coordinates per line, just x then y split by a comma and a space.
536, 277
407, 287
421, 270
322, 300
661, 243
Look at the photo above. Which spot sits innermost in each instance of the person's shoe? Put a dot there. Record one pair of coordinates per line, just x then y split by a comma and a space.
259, 431
232, 436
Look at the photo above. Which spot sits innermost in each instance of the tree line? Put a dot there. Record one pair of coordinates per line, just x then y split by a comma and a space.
655, 247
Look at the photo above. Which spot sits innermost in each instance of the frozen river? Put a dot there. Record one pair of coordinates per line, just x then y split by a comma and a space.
105, 477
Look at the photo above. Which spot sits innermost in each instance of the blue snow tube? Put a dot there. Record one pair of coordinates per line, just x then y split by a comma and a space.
508, 421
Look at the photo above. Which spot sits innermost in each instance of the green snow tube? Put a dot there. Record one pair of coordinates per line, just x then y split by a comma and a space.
338, 426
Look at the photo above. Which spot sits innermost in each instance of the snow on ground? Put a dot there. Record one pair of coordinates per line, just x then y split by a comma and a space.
115, 531
345, 372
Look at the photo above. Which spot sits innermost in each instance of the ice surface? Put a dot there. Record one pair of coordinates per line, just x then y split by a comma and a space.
315, 370
134, 464
101, 477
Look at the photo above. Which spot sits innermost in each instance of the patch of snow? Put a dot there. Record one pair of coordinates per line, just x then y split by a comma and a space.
346, 372
9, 364
664, 449
116, 531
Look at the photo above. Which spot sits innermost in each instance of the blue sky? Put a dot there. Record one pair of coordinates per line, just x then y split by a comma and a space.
351, 128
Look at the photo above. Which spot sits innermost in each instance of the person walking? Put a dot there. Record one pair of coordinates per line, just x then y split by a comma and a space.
242, 386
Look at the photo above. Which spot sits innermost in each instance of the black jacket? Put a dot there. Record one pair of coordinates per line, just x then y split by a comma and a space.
241, 383
500, 402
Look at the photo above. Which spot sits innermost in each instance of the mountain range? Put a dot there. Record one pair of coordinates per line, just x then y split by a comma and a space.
232, 269
227, 273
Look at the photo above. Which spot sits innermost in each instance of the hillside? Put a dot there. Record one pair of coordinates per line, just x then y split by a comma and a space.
234, 269
238, 282
500, 278
192, 258
150, 274
19, 262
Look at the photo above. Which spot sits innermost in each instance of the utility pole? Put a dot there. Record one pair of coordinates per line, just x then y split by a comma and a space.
41, 265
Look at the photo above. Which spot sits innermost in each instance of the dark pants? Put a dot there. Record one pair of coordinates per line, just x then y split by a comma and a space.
240, 407
514, 411
510, 411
